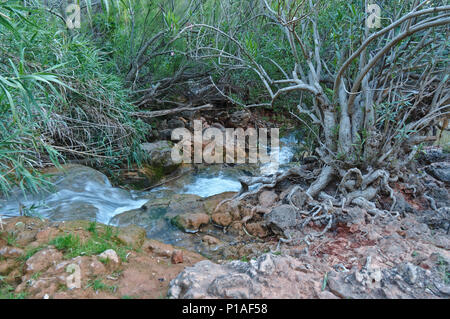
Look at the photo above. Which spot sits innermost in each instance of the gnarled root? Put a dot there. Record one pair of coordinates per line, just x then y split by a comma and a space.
325, 177
267, 182
368, 186
313, 204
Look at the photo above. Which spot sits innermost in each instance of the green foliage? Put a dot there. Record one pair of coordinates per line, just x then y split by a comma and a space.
444, 269
245, 259
97, 284
92, 228
72, 246
7, 292
11, 238
60, 97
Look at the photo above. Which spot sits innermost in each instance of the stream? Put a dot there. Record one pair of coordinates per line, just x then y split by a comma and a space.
84, 193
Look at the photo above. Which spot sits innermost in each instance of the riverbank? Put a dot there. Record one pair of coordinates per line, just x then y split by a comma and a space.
36, 256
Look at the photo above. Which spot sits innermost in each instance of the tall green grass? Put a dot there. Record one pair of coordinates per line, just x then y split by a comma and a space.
60, 98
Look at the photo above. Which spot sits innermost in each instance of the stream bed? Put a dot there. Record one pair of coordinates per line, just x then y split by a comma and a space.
83, 193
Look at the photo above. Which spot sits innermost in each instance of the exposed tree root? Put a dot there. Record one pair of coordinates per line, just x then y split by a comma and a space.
314, 204
267, 182
325, 177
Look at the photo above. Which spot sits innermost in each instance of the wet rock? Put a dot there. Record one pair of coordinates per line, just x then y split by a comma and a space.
74, 177
185, 203
159, 153
142, 217
281, 218
210, 240
79, 193
210, 203
74, 211
191, 222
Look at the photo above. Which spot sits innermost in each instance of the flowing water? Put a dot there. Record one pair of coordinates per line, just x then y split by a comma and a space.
206, 185
84, 193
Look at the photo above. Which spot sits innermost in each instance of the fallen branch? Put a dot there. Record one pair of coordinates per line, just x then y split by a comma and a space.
150, 114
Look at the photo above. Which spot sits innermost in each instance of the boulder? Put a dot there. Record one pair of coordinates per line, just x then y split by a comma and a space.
165, 134
190, 222
157, 248
269, 276
210, 240
267, 198
222, 218
281, 218
182, 203
159, 153
210, 203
